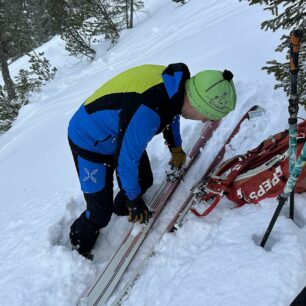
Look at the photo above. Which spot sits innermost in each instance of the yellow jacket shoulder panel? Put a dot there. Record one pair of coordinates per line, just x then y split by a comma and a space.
137, 79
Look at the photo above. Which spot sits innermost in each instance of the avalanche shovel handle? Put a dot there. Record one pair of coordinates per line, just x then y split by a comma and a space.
295, 42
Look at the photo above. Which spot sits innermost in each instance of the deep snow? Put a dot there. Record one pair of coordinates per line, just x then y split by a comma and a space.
209, 261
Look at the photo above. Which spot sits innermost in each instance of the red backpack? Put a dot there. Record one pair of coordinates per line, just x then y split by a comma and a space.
260, 173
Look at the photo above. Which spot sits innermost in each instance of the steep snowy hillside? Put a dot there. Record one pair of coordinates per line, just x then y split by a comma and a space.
213, 261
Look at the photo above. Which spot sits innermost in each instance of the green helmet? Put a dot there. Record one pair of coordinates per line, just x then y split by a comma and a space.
212, 93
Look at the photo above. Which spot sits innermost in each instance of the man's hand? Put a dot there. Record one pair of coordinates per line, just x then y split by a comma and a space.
178, 158
138, 211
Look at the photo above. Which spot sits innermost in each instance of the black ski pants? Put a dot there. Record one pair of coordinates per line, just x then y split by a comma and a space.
100, 204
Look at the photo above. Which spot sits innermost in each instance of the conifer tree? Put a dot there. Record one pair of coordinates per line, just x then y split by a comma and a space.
17, 38
8, 110
105, 19
57, 13
86, 21
126, 10
29, 81
39, 20
288, 15
26, 82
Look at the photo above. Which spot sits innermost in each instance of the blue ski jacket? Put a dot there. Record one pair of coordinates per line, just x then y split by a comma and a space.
123, 115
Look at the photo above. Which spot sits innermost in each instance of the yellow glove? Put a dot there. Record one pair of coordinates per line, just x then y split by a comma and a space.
178, 157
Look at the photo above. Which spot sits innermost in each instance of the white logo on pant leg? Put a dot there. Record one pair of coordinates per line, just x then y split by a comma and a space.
90, 175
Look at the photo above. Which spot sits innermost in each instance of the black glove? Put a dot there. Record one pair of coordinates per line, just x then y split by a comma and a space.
138, 211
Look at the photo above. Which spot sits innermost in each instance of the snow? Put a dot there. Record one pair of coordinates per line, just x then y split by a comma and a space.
209, 261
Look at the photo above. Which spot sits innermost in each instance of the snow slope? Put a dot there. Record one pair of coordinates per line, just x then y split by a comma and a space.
207, 262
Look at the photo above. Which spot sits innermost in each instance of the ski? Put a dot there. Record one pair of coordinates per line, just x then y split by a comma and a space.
177, 219
254, 111
110, 277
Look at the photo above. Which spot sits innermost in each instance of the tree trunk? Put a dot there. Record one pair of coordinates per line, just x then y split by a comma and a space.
102, 7
127, 14
8, 83
131, 14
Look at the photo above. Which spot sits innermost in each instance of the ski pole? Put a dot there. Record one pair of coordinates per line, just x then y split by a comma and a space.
294, 175
295, 40
295, 167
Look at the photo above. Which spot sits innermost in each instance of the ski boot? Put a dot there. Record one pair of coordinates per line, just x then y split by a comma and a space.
83, 236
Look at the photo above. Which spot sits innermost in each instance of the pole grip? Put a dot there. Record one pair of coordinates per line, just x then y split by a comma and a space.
295, 42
